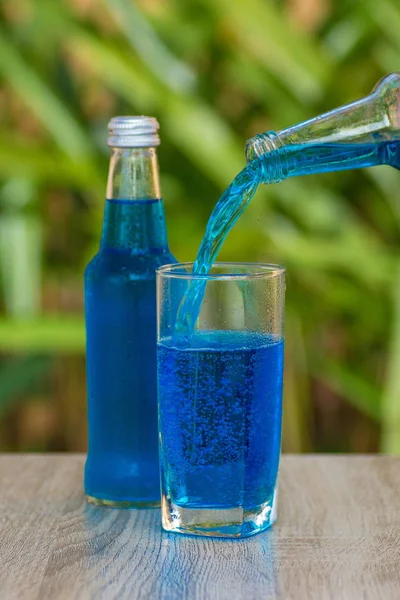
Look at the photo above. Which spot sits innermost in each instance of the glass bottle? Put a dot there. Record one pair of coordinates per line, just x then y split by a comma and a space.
120, 310
364, 133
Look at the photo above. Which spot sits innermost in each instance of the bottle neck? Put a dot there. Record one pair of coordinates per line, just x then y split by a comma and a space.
134, 218
364, 133
133, 174
280, 155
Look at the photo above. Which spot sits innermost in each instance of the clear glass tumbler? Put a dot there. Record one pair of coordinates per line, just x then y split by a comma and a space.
220, 397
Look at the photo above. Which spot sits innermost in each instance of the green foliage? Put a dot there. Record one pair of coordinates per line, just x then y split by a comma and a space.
214, 73
48, 334
17, 376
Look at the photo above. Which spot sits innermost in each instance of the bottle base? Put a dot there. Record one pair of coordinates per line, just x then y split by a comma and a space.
122, 503
236, 522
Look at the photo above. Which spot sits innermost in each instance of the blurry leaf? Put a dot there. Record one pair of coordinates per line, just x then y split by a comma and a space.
195, 128
359, 392
260, 29
390, 439
280, 107
17, 377
173, 72
49, 334
297, 406
38, 96
388, 181
47, 166
16, 194
386, 14
350, 256
388, 57
201, 134
316, 207
122, 73
347, 34
20, 263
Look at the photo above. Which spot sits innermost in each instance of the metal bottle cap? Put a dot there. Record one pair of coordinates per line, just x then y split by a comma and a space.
133, 132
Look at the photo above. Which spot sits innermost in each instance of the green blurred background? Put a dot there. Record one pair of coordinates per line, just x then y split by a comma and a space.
214, 72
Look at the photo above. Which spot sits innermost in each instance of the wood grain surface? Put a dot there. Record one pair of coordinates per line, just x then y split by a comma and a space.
337, 538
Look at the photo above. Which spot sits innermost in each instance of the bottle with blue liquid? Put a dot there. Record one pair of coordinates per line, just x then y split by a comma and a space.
364, 133
120, 310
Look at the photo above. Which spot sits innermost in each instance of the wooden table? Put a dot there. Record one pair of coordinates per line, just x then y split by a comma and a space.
337, 537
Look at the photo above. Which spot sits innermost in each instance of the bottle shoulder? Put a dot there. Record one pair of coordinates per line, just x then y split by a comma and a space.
127, 264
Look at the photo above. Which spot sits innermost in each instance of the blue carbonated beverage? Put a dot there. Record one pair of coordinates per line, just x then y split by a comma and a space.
220, 411
120, 308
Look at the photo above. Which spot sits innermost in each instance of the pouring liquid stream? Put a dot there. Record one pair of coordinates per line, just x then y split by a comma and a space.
294, 160
227, 211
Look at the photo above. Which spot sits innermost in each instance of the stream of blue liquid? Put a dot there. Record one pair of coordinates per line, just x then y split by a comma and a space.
227, 211
304, 159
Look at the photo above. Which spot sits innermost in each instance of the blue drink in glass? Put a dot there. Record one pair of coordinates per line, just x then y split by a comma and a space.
220, 416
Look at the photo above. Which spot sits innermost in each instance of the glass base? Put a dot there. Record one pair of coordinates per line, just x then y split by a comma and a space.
121, 503
218, 522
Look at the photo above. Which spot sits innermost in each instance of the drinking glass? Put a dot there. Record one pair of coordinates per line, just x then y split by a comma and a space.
220, 396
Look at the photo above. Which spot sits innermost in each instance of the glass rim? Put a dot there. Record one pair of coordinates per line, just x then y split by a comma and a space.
255, 270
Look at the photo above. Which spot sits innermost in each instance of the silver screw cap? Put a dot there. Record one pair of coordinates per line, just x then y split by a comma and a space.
133, 132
